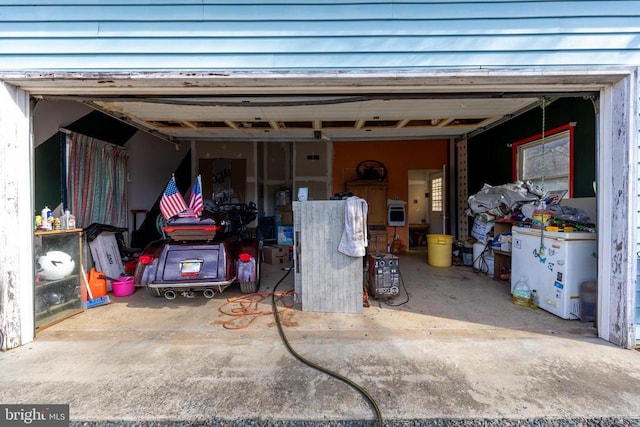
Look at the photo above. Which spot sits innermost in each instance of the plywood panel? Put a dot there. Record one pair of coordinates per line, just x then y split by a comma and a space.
325, 279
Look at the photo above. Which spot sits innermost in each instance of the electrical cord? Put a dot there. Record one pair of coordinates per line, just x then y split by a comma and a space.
247, 307
336, 375
480, 259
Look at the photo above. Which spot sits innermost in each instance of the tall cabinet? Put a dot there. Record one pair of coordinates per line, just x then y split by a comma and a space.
325, 279
375, 193
57, 287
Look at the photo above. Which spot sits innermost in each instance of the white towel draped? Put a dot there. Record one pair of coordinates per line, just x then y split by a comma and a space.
354, 237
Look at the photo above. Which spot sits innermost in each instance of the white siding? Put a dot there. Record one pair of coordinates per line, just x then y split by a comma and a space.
637, 237
16, 213
296, 35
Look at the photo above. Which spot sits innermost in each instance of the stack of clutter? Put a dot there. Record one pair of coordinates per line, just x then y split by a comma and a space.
520, 201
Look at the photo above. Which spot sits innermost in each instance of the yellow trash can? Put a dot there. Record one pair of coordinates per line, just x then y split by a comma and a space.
439, 249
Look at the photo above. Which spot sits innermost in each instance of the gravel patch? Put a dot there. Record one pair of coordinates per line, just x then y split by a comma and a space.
435, 422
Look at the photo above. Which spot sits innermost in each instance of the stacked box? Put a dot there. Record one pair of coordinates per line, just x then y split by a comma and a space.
276, 254
106, 256
285, 235
377, 242
285, 215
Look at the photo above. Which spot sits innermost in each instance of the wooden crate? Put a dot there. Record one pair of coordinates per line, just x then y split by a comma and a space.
378, 241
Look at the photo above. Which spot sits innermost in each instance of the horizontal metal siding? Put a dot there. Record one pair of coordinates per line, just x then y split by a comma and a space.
276, 28
319, 45
186, 35
637, 236
310, 11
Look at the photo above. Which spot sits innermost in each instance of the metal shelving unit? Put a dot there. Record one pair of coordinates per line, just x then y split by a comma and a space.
61, 298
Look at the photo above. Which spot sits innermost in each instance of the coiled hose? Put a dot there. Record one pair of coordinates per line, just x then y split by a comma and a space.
336, 375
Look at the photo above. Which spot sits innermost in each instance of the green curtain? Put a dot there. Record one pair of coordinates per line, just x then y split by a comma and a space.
96, 181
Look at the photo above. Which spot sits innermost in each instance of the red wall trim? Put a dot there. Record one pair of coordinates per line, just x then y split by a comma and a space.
547, 134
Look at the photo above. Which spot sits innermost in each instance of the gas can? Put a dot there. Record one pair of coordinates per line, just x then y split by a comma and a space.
522, 293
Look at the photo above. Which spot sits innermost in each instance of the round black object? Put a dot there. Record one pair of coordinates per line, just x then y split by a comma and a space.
371, 170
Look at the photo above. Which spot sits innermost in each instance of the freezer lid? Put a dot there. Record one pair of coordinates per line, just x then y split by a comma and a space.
572, 235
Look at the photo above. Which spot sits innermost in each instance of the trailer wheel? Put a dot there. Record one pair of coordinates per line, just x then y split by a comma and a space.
249, 287
253, 286
154, 292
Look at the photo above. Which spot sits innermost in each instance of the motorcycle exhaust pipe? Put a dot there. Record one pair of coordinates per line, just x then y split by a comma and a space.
208, 293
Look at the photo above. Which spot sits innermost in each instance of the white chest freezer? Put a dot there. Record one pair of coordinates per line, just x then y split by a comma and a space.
555, 264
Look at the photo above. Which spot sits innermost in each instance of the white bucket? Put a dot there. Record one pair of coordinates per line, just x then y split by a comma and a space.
488, 261
482, 261
477, 251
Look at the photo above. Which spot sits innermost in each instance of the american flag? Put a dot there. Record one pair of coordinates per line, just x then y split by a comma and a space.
195, 202
172, 203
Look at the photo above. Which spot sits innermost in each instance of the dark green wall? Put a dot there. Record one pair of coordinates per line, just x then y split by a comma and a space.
50, 159
489, 154
48, 173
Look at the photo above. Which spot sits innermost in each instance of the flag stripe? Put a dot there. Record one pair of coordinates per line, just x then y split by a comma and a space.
195, 201
172, 203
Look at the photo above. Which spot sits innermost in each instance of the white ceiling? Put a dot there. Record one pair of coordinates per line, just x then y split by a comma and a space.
256, 107
337, 118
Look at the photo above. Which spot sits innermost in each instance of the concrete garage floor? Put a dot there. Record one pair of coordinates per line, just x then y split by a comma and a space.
458, 352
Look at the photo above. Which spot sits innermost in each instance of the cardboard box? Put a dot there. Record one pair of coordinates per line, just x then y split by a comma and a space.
285, 235
106, 256
285, 215
276, 254
377, 242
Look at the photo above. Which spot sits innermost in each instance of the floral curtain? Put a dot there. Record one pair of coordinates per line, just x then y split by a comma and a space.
96, 181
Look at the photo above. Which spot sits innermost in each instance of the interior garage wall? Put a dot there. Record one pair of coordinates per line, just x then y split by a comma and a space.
235, 150
397, 156
277, 172
151, 160
489, 153
151, 163
48, 173
50, 116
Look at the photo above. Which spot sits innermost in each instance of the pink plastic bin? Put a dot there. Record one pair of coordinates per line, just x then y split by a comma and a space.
123, 286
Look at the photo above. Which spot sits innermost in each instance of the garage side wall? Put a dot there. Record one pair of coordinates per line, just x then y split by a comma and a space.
617, 177
16, 217
636, 131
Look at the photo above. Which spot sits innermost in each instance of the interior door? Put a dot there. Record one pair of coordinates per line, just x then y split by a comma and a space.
436, 203
418, 203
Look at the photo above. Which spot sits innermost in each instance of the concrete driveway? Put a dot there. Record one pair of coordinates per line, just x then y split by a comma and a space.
459, 352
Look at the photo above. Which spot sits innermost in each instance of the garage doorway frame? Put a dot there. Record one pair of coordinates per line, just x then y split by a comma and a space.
616, 180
